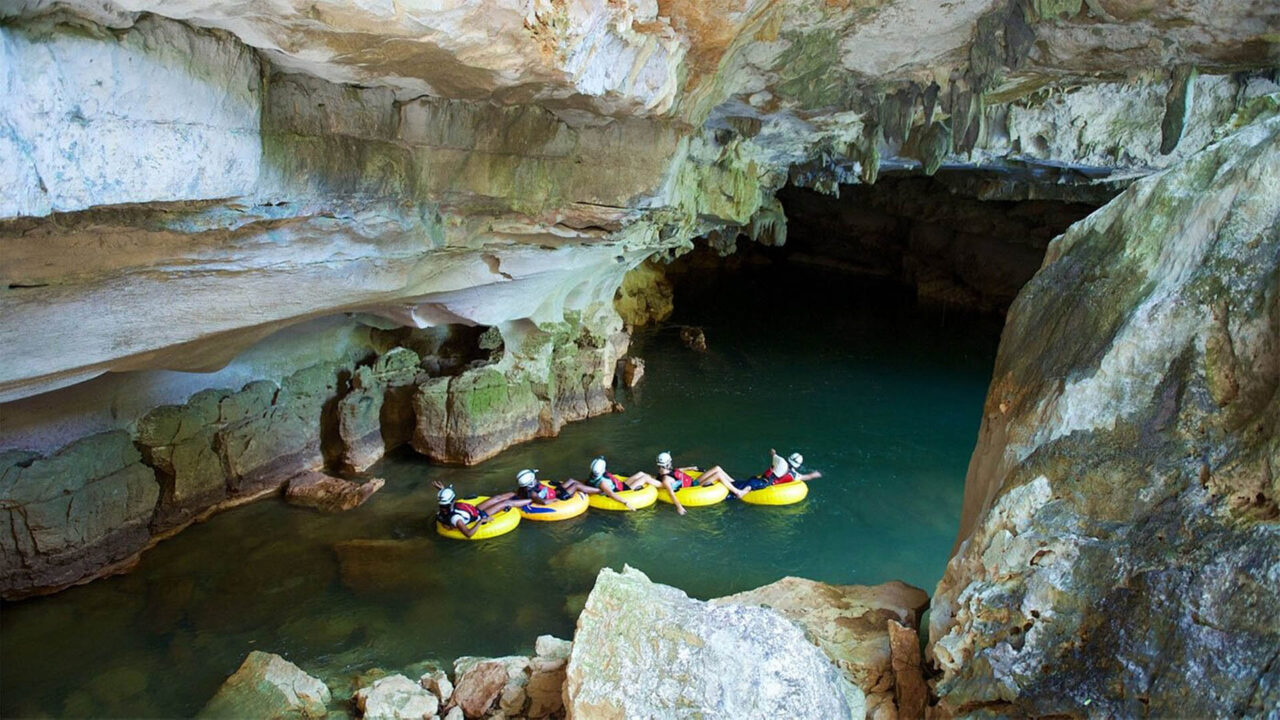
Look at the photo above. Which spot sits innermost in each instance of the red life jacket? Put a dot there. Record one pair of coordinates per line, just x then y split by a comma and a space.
466, 512
783, 479
617, 486
682, 478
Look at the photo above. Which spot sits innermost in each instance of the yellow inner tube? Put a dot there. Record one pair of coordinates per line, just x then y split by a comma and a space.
642, 498
500, 524
557, 509
784, 494
698, 495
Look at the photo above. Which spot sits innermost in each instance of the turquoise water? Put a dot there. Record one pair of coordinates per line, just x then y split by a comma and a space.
883, 397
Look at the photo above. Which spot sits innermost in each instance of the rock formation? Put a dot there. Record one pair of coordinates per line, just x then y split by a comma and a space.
852, 625
1119, 547
648, 650
327, 493
268, 686
240, 245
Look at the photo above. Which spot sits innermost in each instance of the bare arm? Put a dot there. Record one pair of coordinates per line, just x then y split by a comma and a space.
466, 530
809, 476
671, 491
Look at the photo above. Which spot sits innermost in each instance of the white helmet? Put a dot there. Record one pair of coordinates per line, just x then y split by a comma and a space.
598, 467
527, 478
780, 466
446, 495
664, 459
796, 460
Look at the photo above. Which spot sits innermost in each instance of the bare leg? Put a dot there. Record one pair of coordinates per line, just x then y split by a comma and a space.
498, 503
641, 479
574, 486
717, 474
671, 491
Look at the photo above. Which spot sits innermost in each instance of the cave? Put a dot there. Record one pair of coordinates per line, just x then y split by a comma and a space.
639, 359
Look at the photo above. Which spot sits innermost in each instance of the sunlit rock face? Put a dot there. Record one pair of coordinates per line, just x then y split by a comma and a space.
1120, 551
209, 210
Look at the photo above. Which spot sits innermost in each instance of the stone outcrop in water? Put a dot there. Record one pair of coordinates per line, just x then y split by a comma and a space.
648, 650
1119, 550
268, 686
327, 493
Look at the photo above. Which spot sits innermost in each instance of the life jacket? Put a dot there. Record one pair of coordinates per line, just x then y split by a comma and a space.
617, 485
543, 492
466, 512
681, 478
788, 476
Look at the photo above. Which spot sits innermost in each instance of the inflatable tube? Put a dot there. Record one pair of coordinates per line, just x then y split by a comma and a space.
784, 494
698, 495
642, 498
556, 510
500, 524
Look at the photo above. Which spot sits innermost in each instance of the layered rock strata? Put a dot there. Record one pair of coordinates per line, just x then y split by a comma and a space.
1119, 549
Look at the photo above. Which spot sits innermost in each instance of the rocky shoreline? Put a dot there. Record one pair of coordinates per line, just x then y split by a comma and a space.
793, 648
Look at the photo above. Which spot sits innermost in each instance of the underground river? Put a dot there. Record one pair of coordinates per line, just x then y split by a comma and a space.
883, 396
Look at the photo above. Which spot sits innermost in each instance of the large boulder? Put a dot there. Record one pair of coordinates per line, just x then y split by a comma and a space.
396, 697
268, 686
648, 650
850, 623
1119, 544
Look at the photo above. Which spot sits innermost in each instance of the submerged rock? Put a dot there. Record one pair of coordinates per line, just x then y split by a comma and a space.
850, 623
648, 650
396, 697
268, 686
327, 493
392, 567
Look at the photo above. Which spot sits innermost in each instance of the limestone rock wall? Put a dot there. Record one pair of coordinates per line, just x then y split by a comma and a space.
68, 514
1119, 547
